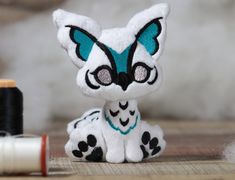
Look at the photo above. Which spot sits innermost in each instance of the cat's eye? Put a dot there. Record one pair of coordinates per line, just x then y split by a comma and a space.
141, 72
103, 75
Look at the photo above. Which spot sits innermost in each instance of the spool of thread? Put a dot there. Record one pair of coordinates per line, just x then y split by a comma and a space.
22, 155
11, 107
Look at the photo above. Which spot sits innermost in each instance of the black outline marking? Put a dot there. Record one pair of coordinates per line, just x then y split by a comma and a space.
157, 22
114, 114
95, 73
71, 32
108, 54
114, 73
152, 143
146, 67
155, 78
132, 113
94, 112
124, 80
124, 123
123, 107
95, 155
130, 58
88, 82
113, 70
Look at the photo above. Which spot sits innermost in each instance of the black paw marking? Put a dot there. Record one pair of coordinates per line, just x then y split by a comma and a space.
124, 123
145, 137
132, 113
91, 140
95, 155
153, 145
83, 146
123, 107
114, 114
145, 153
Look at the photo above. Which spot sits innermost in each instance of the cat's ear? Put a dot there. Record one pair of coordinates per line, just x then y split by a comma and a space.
149, 27
77, 34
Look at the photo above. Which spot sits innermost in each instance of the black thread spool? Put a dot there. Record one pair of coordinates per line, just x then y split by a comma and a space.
11, 108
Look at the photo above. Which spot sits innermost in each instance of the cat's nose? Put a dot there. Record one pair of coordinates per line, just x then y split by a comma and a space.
124, 80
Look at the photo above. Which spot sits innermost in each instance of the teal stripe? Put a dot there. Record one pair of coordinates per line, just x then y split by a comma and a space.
85, 43
147, 38
118, 129
121, 59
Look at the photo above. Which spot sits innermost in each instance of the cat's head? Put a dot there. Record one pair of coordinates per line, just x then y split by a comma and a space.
119, 63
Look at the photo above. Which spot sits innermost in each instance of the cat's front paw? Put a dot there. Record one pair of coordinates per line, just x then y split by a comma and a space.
150, 145
115, 156
88, 150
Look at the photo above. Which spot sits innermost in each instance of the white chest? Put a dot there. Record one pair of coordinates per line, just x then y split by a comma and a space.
122, 116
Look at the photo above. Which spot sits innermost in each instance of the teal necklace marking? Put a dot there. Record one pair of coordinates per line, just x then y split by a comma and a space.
118, 129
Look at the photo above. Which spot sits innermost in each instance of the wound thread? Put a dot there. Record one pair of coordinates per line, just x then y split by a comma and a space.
24, 155
11, 108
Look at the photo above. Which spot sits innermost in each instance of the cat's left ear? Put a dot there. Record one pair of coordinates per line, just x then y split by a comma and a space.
77, 34
149, 27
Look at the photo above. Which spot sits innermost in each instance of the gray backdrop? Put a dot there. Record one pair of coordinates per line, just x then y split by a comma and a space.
198, 62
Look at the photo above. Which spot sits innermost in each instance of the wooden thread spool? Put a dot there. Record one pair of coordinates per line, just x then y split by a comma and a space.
24, 155
11, 107
7, 83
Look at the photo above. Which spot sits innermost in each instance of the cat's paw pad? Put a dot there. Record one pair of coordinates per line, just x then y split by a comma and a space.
150, 146
89, 150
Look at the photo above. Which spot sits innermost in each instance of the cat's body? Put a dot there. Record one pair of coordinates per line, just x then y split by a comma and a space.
119, 132
116, 65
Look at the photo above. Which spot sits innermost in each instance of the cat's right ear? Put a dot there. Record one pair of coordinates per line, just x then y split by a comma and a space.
77, 35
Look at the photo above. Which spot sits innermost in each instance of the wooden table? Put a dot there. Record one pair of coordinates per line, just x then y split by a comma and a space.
194, 151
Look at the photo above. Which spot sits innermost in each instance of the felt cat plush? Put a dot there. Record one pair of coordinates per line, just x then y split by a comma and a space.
117, 65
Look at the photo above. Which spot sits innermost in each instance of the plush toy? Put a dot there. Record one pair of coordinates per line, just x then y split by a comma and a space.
117, 65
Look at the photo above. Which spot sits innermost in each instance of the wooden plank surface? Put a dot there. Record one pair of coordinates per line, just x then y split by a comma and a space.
194, 151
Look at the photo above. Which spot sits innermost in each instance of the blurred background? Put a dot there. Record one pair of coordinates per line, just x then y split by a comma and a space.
198, 62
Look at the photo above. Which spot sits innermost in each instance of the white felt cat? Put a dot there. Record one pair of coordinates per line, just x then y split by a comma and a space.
117, 65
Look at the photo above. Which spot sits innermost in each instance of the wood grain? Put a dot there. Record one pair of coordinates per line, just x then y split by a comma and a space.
194, 151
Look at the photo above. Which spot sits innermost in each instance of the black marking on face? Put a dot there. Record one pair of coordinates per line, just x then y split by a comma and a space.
103, 75
123, 107
124, 123
155, 78
88, 82
141, 72
132, 113
114, 114
123, 79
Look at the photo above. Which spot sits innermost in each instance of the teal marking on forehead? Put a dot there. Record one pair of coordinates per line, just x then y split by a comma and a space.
121, 59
